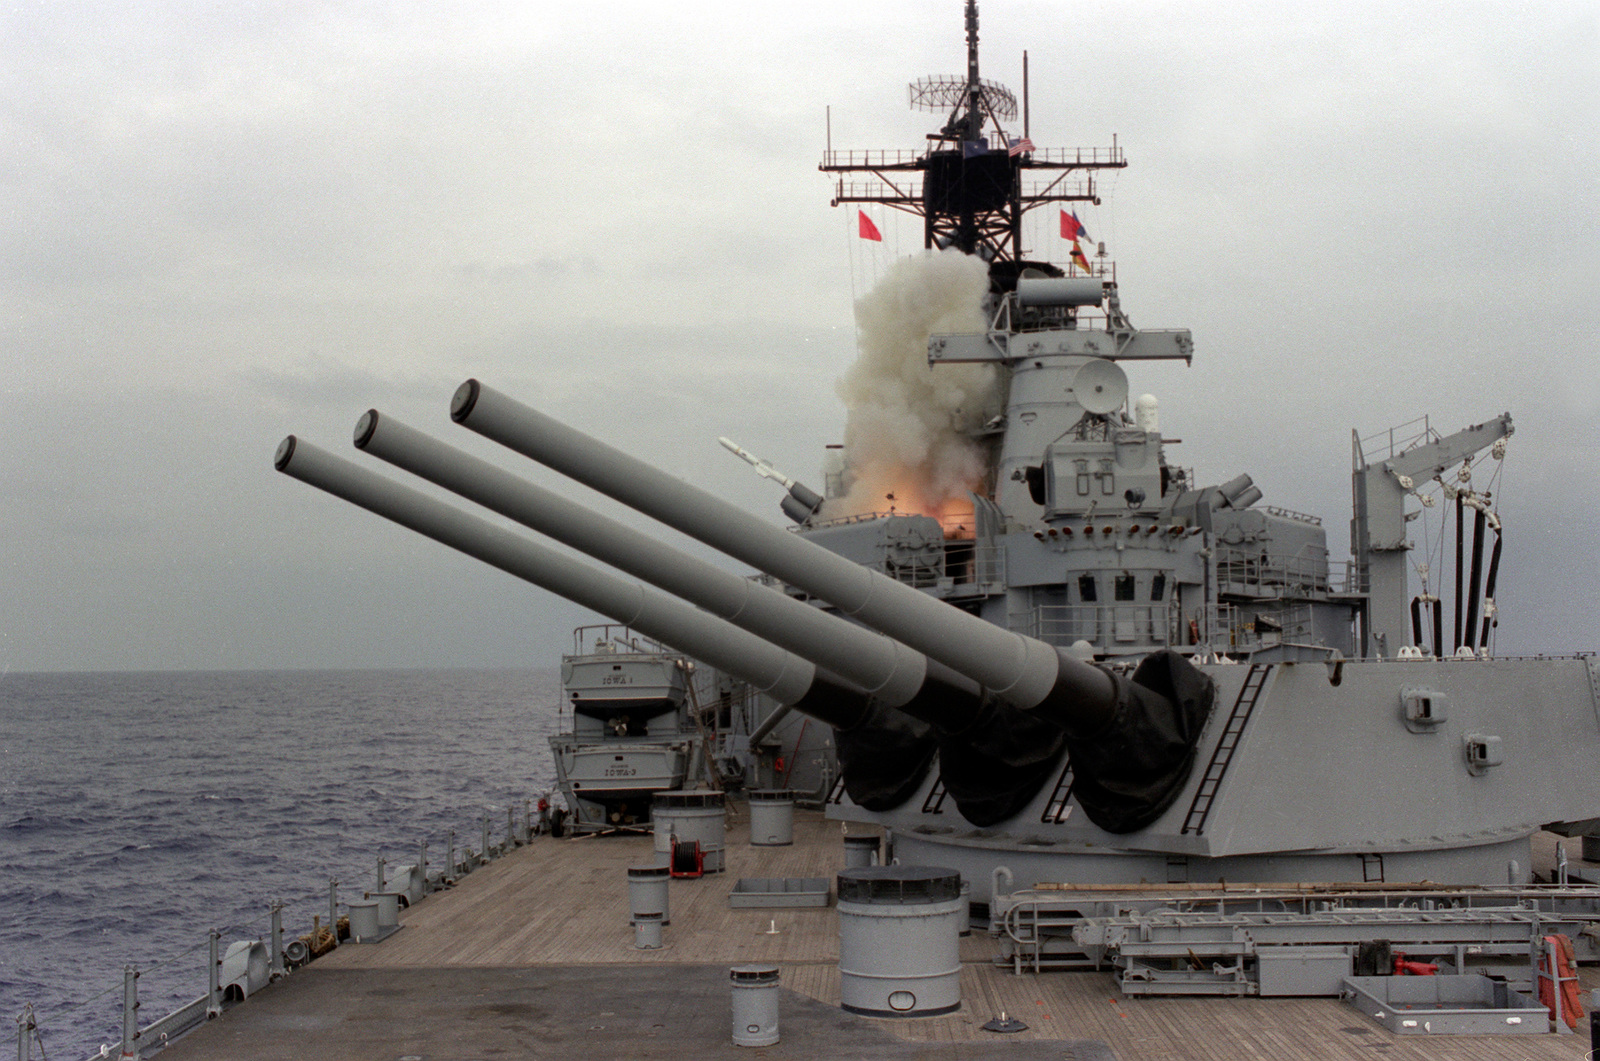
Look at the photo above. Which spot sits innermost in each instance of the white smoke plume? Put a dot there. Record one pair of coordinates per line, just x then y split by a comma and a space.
906, 432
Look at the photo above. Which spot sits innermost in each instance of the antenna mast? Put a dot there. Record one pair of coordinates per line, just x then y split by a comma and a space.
974, 123
970, 191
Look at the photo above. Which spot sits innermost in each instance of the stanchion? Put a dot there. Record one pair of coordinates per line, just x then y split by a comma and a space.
25, 1027
214, 978
276, 971
130, 1013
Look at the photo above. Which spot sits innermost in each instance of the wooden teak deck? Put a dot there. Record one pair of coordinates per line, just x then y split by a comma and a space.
532, 956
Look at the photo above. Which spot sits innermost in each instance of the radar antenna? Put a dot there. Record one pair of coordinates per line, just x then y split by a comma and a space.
971, 191
943, 92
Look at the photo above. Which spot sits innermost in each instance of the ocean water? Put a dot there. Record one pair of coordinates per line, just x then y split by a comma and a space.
139, 811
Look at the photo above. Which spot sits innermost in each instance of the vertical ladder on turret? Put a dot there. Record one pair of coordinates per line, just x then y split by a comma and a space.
836, 796
1059, 804
1254, 682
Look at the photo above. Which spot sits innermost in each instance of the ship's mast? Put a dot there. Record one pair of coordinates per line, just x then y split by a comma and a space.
968, 188
974, 124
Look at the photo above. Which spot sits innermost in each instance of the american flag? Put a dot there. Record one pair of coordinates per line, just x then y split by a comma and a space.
1020, 146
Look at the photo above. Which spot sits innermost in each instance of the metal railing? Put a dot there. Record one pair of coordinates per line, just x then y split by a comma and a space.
1236, 630
907, 189
868, 517
905, 186
1396, 439
989, 565
960, 559
1346, 578
963, 562
231, 978
918, 574
1054, 156
1289, 513
1055, 189
1272, 572
587, 641
1081, 156
1109, 624
1298, 575
870, 159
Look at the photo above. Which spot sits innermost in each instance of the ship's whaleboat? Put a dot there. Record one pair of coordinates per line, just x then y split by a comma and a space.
632, 734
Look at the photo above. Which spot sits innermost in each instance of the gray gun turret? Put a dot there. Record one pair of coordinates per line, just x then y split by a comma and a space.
1131, 740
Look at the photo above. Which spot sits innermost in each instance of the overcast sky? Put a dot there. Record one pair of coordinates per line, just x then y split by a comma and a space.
224, 223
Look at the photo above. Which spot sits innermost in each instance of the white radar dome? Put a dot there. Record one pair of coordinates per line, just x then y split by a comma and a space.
1147, 413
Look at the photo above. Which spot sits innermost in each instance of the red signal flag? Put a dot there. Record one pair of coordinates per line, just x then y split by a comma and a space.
866, 228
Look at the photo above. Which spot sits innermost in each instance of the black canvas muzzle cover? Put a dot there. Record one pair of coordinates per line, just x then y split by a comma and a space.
995, 768
884, 758
1126, 775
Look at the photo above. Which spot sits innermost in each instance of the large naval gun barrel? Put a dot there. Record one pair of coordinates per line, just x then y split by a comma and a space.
768, 668
887, 670
1131, 740
994, 757
891, 750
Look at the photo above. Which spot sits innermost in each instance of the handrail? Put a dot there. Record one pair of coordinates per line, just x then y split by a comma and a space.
1051, 156
617, 633
1289, 513
183, 1017
869, 158
907, 188
1106, 623
1273, 569
1422, 434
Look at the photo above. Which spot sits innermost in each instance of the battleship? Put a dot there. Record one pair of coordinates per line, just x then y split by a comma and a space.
1149, 722
1077, 661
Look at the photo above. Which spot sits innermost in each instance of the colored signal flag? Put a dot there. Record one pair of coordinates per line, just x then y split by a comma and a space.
1072, 228
1079, 260
866, 228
